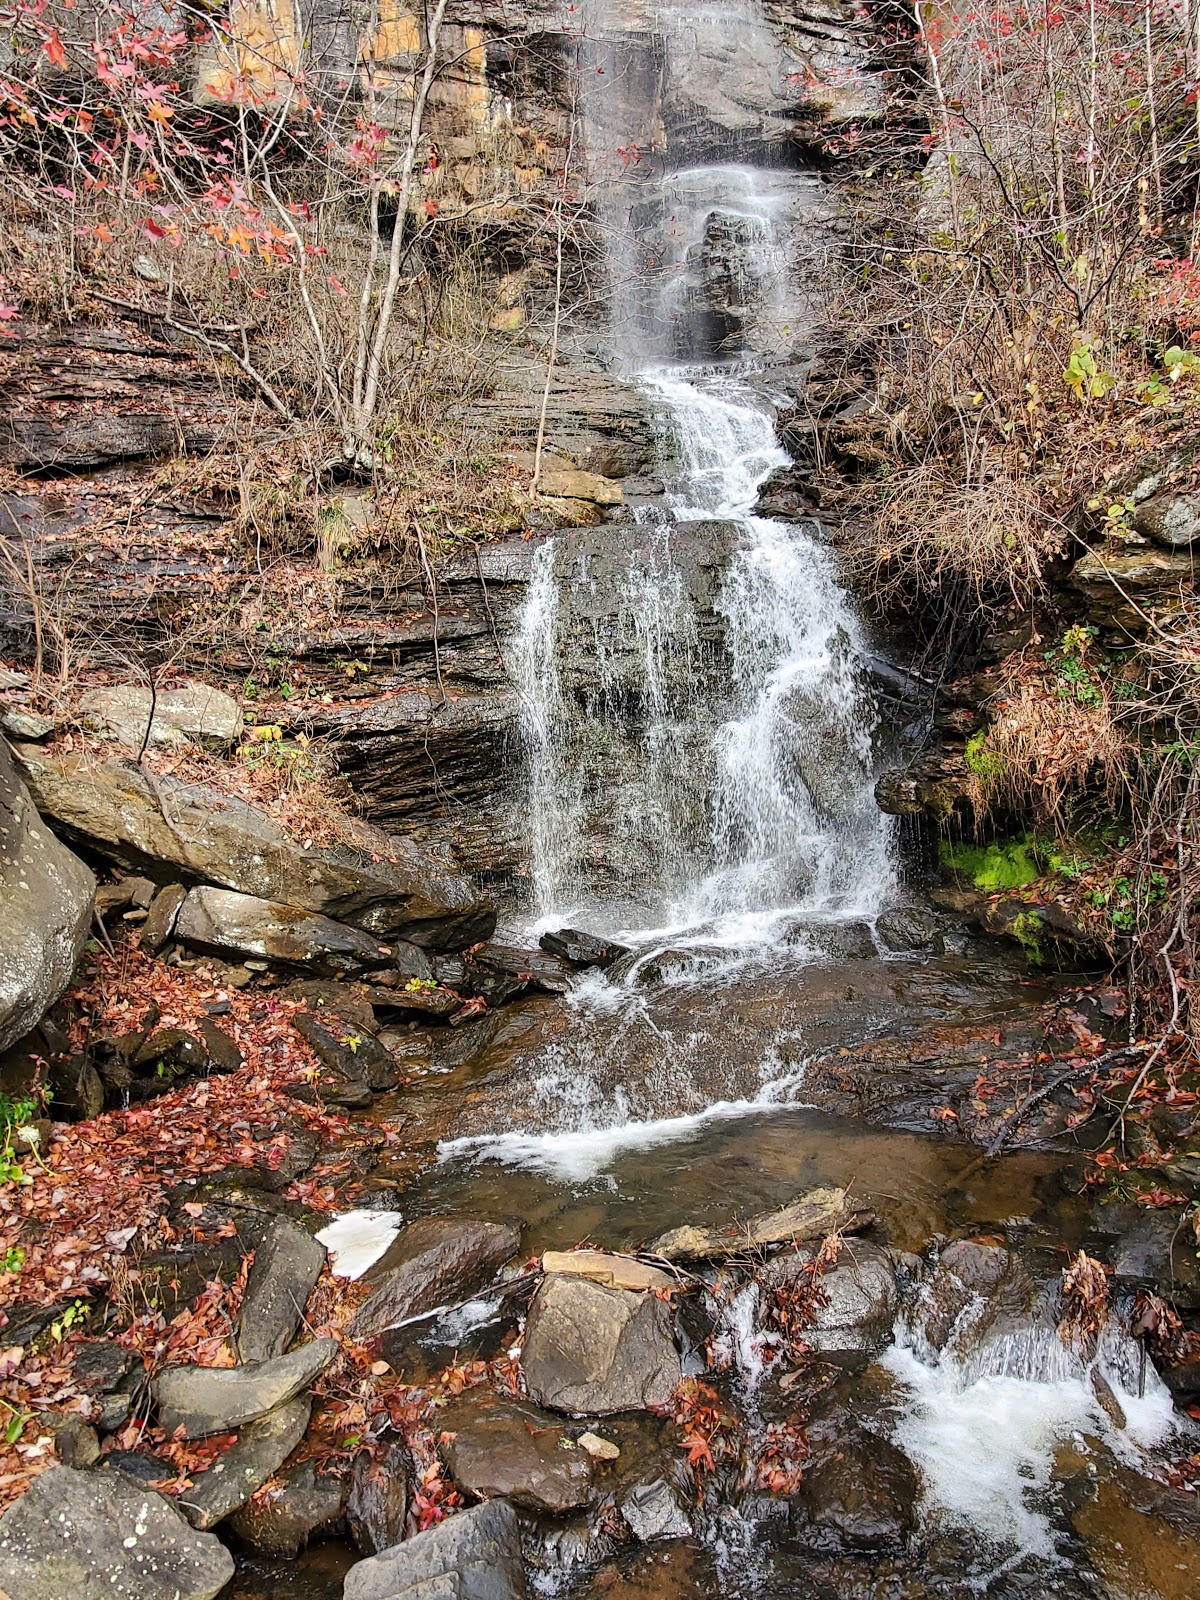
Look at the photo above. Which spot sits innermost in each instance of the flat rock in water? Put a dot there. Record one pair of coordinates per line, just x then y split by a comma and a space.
812, 1216
856, 1305
582, 949
475, 1555
594, 1350
304, 1505
261, 1449
207, 1400
602, 1266
653, 1511
286, 1266
431, 1263
101, 1536
238, 927
504, 1449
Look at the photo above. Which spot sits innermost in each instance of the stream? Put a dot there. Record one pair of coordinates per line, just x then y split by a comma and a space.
706, 800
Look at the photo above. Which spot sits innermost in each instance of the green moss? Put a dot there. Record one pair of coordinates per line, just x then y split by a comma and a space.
991, 867
1028, 929
981, 761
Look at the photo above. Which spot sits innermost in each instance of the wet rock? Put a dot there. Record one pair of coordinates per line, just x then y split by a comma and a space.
475, 1555
160, 923
261, 1449
431, 1263
169, 1048
541, 970
45, 909
384, 885
859, 1494
76, 1090
350, 1095
287, 1264
978, 1293
101, 1365
208, 1400
503, 1449
1153, 1250
810, 1216
582, 949
349, 1055
411, 961
302, 1506
377, 1507
905, 928
653, 1511
96, 1535
594, 1350
195, 713
235, 926
223, 1054
602, 1266
840, 941
286, 1158
856, 1305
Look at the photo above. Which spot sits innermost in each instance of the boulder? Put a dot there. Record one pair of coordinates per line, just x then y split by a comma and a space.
223, 1054
240, 927
194, 713
857, 1301
978, 1294
538, 968
384, 885
905, 928
653, 1511
859, 1494
582, 949
260, 1450
208, 1400
281, 1523
504, 1449
377, 1506
593, 1350
101, 1536
46, 896
347, 1053
811, 1216
1170, 520
431, 1263
475, 1555
286, 1266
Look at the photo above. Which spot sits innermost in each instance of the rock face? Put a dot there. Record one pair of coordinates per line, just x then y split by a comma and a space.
475, 1555
594, 1350
101, 1536
196, 713
240, 927
430, 1263
383, 885
45, 909
502, 1449
286, 1266
859, 1296
208, 1400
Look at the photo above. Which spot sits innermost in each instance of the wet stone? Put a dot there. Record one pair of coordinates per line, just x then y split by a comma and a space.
100, 1365
432, 1263
261, 1449
582, 949
208, 1400
475, 1555
653, 1511
347, 1053
856, 1302
503, 1449
97, 1535
160, 923
286, 1265
223, 1054
377, 1506
303, 1505
589, 1350
860, 1493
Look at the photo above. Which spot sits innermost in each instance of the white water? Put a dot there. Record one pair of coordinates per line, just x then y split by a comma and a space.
777, 821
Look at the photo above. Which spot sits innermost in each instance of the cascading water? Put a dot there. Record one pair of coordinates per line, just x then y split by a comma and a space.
752, 796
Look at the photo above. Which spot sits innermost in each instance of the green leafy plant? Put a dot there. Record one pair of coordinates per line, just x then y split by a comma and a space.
71, 1318
1068, 662
420, 985
1084, 377
13, 1260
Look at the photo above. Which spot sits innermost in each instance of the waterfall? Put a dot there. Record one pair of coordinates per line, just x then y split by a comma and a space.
698, 759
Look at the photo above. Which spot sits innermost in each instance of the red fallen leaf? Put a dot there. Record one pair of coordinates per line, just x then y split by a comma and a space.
1160, 1198
53, 46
